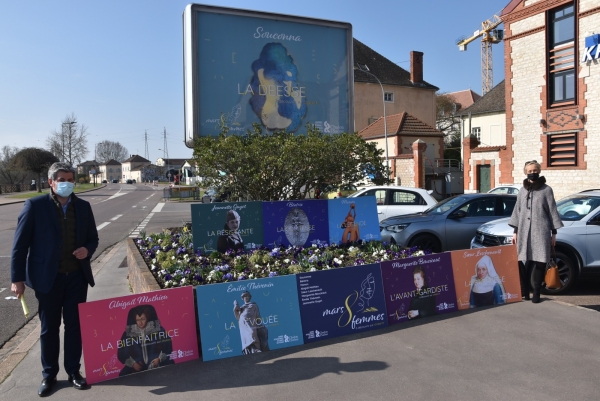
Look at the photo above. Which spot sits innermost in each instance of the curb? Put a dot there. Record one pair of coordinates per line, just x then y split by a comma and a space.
141, 278
23, 200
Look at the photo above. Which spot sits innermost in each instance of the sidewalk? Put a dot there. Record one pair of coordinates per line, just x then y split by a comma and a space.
519, 351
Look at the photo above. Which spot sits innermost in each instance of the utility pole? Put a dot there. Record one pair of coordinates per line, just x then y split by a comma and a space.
166, 151
146, 154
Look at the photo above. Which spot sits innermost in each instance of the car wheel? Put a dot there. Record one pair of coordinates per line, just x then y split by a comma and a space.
426, 242
566, 271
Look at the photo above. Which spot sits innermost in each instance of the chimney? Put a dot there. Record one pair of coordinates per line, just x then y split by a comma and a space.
416, 67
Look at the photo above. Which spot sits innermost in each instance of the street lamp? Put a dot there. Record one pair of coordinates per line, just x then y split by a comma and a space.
366, 70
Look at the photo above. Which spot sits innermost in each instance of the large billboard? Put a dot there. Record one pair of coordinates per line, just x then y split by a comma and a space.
282, 72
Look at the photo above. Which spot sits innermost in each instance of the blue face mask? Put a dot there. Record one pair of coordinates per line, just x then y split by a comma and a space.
64, 189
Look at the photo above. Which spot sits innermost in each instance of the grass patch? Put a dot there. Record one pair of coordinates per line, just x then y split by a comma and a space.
27, 195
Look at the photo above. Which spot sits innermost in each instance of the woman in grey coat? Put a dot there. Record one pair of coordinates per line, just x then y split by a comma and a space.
535, 220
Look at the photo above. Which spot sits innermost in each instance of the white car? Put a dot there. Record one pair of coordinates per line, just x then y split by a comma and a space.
577, 243
506, 189
397, 201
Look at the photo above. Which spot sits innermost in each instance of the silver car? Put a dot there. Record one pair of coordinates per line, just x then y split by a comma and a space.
577, 243
450, 224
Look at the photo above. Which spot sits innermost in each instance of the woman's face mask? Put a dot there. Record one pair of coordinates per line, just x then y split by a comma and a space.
533, 176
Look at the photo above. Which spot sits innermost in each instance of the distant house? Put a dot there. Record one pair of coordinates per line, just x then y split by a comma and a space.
463, 99
485, 120
169, 166
132, 168
403, 91
86, 166
111, 170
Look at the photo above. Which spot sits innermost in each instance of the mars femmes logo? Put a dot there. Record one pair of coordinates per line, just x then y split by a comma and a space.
592, 48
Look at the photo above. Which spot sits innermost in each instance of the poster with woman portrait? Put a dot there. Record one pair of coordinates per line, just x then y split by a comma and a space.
137, 333
227, 226
419, 287
342, 301
248, 317
486, 276
298, 223
353, 219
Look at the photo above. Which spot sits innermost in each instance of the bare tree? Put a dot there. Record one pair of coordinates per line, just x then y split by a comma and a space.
107, 150
35, 160
69, 144
9, 174
448, 121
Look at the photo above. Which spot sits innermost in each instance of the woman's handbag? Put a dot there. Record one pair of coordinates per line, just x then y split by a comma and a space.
552, 278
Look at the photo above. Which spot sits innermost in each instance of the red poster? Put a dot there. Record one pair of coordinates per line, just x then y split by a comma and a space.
486, 276
137, 333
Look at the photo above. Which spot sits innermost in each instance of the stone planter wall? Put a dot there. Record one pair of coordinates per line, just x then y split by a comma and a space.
140, 278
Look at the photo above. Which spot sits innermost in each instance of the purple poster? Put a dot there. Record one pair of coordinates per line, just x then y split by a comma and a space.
297, 223
418, 287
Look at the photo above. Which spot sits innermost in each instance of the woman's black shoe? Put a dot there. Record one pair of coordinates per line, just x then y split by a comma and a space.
536, 297
46, 387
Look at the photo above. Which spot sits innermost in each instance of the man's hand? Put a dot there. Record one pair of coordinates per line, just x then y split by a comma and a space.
81, 253
514, 239
18, 289
137, 367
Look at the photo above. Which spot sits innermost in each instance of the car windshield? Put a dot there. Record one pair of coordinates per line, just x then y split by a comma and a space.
447, 204
576, 207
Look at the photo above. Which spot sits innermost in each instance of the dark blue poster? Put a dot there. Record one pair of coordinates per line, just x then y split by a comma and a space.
418, 287
248, 317
343, 301
298, 223
227, 226
353, 219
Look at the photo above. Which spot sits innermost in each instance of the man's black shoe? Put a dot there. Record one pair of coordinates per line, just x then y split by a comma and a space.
46, 387
78, 381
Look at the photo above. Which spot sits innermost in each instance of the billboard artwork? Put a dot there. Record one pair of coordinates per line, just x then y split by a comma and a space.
137, 333
227, 226
297, 223
247, 317
343, 301
280, 71
353, 219
418, 287
486, 276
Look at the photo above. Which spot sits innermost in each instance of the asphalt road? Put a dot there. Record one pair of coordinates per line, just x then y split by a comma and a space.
118, 210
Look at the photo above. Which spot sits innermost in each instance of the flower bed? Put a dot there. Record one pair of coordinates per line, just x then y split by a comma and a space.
172, 260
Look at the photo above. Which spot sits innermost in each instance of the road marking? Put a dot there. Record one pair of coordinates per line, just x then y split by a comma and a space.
158, 207
2, 289
134, 206
116, 217
101, 226
143, 207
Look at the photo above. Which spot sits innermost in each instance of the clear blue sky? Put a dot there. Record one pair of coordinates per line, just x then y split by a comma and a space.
117, 64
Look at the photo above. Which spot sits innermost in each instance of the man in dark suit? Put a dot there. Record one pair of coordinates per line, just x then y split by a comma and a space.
54, 241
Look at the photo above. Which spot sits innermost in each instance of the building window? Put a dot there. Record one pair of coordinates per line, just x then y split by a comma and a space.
562, 150
476, 132
561, 57
372, 120
388, 96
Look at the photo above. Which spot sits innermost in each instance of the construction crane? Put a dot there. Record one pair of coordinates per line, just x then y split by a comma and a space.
489, 36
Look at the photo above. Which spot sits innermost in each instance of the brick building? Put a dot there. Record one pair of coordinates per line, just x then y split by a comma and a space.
552, 78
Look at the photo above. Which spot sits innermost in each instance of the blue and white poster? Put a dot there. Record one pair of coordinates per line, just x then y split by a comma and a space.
418, 287
297, 223
342, 301
280, 71
353, 219
248, 317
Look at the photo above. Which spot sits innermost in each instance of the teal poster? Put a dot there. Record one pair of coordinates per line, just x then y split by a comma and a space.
296, 223
228, 226
248, 317
353, 219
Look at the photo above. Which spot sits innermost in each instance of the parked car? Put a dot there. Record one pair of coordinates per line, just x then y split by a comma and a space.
341, 191
104, 181
506, 189
134, 181
129, 181
397, 201
115, 181
450, 224
577, 243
